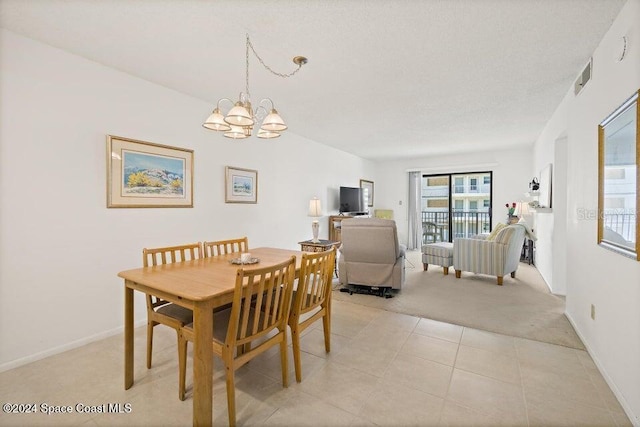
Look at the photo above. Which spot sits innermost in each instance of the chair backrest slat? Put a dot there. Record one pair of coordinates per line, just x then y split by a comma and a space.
243, 307
223, 247
159, 256
278, 307
267, 293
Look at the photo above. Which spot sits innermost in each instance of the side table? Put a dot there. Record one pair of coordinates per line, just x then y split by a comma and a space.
527, 251
320, 246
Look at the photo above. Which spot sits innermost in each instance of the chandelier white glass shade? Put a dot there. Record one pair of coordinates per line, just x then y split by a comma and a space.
239, 122
315, 210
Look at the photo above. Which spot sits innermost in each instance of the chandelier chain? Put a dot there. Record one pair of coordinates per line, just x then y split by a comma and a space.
284, 75
247, 67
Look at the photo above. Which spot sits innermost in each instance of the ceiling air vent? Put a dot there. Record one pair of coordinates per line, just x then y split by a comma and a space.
583, 78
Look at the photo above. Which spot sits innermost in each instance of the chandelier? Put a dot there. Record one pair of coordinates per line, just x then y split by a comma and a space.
241, 118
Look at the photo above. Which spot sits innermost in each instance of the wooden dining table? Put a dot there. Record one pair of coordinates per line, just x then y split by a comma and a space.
200, 285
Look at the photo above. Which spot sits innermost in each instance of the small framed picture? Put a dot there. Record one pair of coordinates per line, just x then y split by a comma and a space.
241, 185
145, 175
367, 186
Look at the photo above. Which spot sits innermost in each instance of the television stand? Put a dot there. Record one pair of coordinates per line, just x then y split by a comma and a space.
335, 222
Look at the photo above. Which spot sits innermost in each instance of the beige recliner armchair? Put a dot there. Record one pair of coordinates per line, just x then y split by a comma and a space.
370, 254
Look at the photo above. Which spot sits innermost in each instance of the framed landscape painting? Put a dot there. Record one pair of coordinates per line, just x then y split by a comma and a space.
241, 185
145, 175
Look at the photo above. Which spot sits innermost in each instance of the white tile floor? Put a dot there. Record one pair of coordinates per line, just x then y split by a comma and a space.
385, 369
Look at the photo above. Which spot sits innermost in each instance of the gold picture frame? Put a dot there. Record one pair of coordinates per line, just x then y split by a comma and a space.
619, 179
240, 185
142, 174
368, 187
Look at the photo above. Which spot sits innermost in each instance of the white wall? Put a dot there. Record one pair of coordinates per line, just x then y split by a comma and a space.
558, 253
61, 248
511, 175
551, 224
594, 275
543, 154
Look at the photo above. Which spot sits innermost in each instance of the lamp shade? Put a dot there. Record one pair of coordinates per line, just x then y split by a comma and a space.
216, 121
273, 122
237, 132
239, 115
315, 209
523, 209
268, 134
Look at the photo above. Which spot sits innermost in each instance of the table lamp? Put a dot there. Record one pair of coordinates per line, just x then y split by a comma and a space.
523, 209
315, 210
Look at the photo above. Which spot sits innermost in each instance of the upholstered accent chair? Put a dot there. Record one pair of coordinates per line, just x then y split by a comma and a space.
498, 256
370, 254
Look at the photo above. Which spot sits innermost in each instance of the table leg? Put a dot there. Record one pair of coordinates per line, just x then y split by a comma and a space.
128, 337
203, 364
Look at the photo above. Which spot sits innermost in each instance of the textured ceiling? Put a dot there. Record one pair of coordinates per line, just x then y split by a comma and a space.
385, 79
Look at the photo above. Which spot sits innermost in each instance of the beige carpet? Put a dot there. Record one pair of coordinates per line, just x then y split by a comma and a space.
522, 307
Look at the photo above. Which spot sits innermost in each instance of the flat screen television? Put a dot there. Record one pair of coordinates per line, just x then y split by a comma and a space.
352, 200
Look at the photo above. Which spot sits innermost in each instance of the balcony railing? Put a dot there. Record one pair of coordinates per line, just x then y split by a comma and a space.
464, 223
620, 226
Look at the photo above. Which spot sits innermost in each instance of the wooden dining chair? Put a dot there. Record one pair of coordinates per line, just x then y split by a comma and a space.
222, 247
159, 311
312, 300
256, 321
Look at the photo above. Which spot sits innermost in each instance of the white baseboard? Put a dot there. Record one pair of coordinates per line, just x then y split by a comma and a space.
635, 419
66, 347
548, 286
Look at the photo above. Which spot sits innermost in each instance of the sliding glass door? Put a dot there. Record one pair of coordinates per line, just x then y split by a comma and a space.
455, 205
436, 207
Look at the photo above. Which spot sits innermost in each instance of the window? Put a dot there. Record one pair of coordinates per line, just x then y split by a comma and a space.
438, 182
473, 185
438, 203
487, 180
614, 203
459, 185
473, 205
485, 203
614, 173
459, 205
618, 187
